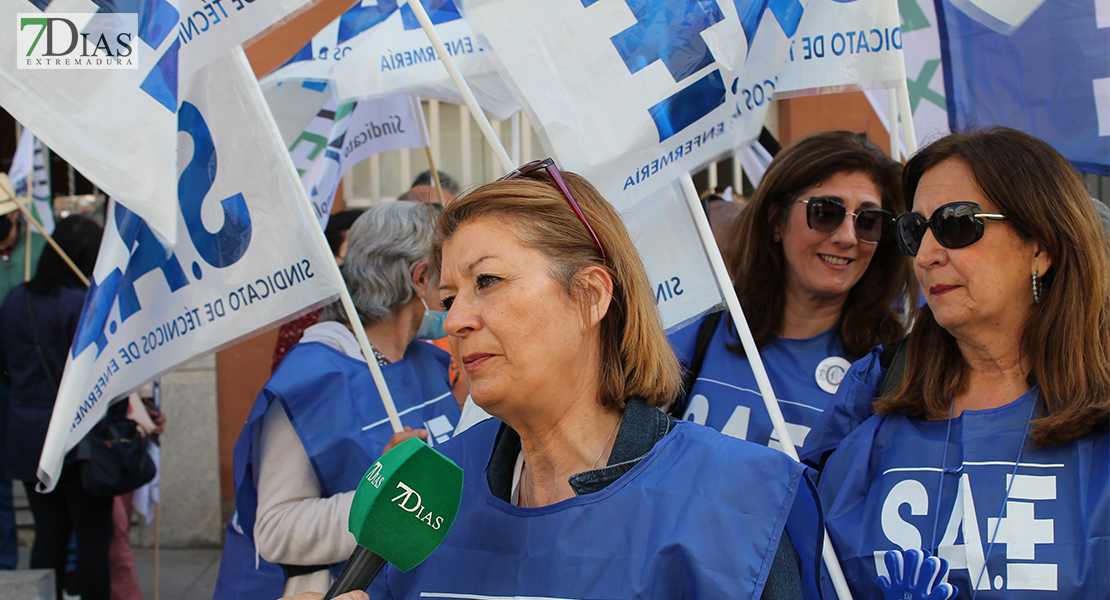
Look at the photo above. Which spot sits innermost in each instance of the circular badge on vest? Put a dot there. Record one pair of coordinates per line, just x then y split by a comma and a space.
830, 371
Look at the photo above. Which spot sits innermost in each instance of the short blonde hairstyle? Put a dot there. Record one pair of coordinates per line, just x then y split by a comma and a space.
636, 358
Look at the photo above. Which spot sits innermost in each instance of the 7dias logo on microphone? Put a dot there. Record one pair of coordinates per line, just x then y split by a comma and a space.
77, 40
411, 502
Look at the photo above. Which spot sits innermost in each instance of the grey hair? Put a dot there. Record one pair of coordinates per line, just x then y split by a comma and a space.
383, 247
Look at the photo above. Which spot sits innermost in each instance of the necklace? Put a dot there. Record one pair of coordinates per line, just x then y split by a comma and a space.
1009, 488
526, 491
606, 444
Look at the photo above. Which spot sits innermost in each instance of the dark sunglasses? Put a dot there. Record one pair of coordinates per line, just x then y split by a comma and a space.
954, 225
826, 214
536, 170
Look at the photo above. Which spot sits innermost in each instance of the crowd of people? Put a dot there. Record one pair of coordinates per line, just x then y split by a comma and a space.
937, 336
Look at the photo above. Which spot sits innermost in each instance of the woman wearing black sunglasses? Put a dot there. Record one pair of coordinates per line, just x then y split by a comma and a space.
818, 278
991, 450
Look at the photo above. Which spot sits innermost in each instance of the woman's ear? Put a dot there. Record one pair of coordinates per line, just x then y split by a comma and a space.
598, 287
1042, 261
420, 277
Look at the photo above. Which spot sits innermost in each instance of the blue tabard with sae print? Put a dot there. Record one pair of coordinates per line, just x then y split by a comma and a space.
1040, 531
803, 373
700, 516
334, 406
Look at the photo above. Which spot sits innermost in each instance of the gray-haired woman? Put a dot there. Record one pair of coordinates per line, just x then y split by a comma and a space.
319, 422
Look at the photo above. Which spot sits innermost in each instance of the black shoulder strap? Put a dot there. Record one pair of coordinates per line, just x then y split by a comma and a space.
38, 343
893, 359
705, 335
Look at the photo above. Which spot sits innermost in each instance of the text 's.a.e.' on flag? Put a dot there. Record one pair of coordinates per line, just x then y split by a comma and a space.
378, 48
341, 134
29, 177
634, 95
117, 127
1040, 66
844, 46
243, 257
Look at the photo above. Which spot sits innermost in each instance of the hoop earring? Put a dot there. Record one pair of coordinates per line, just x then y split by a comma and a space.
1036, 289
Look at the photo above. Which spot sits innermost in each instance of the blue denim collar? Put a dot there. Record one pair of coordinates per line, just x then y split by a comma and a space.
641, 427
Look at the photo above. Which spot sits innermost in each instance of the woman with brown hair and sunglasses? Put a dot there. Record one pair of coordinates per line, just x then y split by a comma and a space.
991, 449
819, 280
580, 487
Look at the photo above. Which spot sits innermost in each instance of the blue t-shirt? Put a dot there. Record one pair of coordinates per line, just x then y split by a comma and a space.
894, 484
804, 374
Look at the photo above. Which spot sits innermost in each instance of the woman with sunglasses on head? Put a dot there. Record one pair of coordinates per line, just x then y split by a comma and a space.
990, 450
581, 487
819, 280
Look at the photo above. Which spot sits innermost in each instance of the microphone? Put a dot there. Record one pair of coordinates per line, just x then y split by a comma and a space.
403, 508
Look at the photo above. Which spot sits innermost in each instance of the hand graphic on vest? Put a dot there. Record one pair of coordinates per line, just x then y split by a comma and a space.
914, 575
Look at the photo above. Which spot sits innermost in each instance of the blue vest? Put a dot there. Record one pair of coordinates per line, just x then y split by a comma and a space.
849, 408
803, 373
1051, 535
680, 524
334, 406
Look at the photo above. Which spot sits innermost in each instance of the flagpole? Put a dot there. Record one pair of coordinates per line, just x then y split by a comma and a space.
332, 268
435, 173
909, 134
464, 89
892, 123
6, 187
720, 272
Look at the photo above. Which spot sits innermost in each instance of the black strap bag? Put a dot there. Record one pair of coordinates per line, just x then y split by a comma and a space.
114, 456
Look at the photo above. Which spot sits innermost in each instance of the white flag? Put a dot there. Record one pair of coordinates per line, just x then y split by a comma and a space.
843, 46
29, 178
378, 48
343, 133
116, 126
633, 99
244, 257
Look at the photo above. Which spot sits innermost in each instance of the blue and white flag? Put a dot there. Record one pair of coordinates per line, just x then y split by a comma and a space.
633, 94
924, 74
378, 48
1040, 66
117, 127
343, 133
245, 256
844, 45
30, 178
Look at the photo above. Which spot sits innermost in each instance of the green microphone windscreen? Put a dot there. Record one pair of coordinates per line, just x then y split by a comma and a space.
406, 503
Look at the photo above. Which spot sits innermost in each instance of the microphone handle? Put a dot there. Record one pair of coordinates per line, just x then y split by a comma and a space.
360, 569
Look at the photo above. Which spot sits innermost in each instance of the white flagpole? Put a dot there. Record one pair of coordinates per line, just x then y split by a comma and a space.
909, 134
892, 123
752, 352
332, 268
464, 89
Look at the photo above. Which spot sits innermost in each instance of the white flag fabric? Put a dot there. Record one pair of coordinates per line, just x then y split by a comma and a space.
925, 74
117, 126
341, 134
29, 178
378, 48
633, 98
842, 46
244, 257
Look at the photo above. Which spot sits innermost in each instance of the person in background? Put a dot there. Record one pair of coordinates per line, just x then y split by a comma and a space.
37, 323
336, 233
319, 423
819, 279
990, 449
423, 189
13, 252
580, 487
